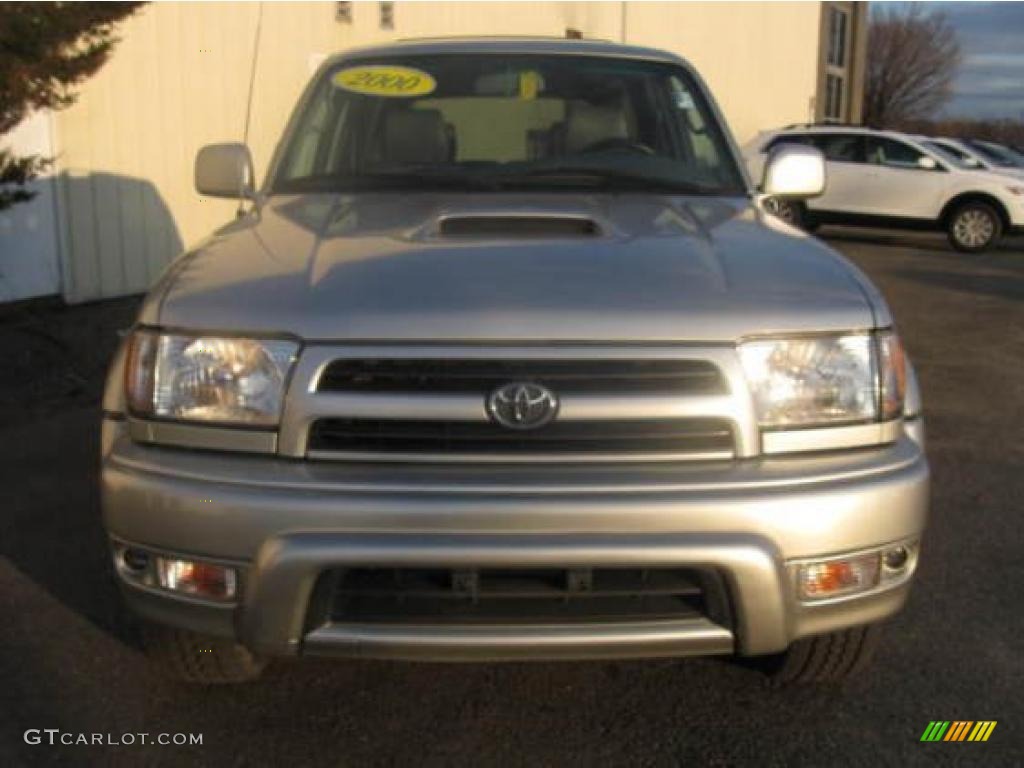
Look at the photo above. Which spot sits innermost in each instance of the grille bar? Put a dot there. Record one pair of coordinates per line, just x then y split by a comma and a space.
482, 376
676, 436
603, 383
510, 595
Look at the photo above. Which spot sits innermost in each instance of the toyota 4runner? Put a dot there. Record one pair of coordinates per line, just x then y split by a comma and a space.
505, 360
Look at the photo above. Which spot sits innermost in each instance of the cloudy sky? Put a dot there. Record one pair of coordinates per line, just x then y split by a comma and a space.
991, 79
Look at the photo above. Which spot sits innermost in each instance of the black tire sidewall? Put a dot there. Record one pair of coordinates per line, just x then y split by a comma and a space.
795, 206
830, 658
190, 657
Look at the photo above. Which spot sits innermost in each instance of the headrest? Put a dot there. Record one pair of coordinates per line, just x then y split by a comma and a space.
588, 124
415, 136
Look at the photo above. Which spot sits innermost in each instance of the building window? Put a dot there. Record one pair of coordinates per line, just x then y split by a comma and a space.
387, 15
837, 37
833, 97
835, 104
343, 12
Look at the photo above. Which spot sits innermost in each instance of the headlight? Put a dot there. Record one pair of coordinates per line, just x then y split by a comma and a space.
207, 378
825, 380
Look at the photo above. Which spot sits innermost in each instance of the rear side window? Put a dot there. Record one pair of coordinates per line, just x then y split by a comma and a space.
841, 147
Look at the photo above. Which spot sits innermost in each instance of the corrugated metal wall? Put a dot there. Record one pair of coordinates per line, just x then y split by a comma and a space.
29, 254
179, 79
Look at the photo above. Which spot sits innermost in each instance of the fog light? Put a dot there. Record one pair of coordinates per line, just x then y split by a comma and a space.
191, 577
135, 560
896, 559
831, 578
899, 562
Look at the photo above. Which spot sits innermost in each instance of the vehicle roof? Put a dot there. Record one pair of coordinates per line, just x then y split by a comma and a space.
837, 128
914, 138
942, 141
508, 45
964, 145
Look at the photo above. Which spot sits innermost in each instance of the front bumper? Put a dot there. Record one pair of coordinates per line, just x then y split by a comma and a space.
1017, 217
282, 523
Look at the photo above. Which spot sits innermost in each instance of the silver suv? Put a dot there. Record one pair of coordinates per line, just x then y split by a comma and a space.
506, 361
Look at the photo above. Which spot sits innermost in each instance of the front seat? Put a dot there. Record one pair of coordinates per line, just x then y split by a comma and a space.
415, 137
589, 124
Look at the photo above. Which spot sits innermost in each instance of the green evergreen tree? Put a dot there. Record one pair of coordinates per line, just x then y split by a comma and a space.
45, 50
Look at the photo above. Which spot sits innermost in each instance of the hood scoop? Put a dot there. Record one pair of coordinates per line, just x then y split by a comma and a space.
517, 225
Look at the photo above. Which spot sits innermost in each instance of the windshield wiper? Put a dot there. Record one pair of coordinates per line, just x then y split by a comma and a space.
494, 177
397, 178
603, 178
429, 175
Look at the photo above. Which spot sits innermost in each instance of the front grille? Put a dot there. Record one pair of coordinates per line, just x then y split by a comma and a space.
517, 595
482, 376
672, 437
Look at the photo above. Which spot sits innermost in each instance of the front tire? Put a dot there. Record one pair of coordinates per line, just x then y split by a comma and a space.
830, 658
790, 211
195, 658
974, 227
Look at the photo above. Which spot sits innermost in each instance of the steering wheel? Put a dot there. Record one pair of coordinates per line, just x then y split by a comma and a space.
619, 145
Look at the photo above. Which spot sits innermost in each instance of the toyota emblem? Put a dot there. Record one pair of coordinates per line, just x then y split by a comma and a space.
522, 405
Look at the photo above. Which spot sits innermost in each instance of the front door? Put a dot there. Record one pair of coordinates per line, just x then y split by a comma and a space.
897, 185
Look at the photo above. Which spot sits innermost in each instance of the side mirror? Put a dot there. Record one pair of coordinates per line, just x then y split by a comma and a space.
794, 171
225, 170
926, 162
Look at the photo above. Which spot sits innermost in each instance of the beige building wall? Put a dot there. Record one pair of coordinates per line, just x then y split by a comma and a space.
759, 59
180, 77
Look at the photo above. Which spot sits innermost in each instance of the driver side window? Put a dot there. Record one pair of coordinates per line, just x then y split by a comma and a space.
891, 153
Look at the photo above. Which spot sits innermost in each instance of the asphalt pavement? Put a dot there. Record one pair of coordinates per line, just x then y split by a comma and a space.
69, 659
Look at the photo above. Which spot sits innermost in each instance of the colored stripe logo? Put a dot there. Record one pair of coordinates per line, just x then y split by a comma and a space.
958, 730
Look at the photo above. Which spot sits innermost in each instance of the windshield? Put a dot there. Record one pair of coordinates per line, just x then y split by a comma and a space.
526, 122
996, 154
951, 154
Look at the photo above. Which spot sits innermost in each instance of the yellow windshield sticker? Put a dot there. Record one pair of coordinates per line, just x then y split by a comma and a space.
529, 84
381, 80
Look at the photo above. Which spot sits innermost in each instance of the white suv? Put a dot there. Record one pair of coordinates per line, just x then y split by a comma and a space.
888, 179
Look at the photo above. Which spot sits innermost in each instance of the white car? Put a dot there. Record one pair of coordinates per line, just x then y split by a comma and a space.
975, 155
889, 179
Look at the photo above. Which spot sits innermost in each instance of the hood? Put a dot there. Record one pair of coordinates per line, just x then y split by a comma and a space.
990, 175
1013, 173
552, 267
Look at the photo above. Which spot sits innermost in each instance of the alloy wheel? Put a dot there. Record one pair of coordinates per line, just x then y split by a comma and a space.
974, 228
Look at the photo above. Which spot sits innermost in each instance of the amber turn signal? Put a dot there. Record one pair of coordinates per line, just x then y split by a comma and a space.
831, 578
